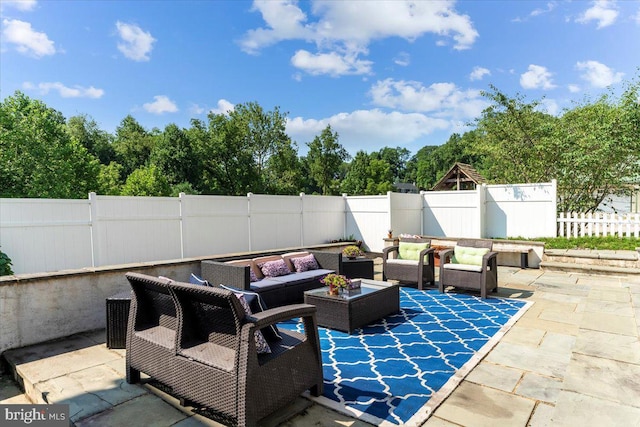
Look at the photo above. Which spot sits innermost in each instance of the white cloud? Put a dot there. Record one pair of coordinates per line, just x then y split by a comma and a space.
368, 129
602, 11
65, 91
538, 77
330, 63
224, 107
27, 41
345, 29
549, 106
636, 17
574, 88
442, 99
478, 73
136, 44
22, 5
403, 59
598, 74
161, 104
539, 11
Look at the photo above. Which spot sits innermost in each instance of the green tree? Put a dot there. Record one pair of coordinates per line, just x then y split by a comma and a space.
110, 179
84, 130
133, 145
592, 150
146, 181
368, 174
38, 158
397, 159
325, 157
175, 157
228, 165
432, 162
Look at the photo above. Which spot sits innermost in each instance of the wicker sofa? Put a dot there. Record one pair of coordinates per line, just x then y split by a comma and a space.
201, 343
275, 291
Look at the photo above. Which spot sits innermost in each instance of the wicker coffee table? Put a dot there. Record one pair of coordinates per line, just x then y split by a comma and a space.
349, 311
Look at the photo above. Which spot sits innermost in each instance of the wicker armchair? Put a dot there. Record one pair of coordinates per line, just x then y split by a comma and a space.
151, 330
481, 275
218, 366
417, 271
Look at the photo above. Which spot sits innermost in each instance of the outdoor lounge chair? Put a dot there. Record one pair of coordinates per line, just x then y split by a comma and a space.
413, 262
218, 365
151, 330
470, 265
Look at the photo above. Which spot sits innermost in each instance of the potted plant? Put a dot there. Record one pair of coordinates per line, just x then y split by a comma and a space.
335, 282
390, 234
352, 251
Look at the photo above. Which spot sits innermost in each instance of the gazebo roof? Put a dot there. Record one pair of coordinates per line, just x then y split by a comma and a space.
461, 176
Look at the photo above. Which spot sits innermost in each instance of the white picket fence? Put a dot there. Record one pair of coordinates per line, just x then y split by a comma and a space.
573, 224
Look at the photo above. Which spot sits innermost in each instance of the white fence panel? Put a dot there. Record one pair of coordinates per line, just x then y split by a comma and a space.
368, 219
214, 225
45, 235
573, 224
406, 213
323, 219
136, 229
523, 210
452, 213
275, 221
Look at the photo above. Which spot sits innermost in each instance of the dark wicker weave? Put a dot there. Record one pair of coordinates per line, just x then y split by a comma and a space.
484, 281
217, 272
420, 272
348, 314
218, 366
361, 268
151, 332
117, 319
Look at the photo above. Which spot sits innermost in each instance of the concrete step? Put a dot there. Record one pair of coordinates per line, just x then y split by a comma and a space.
574, 267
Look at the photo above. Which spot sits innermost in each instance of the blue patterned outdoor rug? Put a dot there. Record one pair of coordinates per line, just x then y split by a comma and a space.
397, 370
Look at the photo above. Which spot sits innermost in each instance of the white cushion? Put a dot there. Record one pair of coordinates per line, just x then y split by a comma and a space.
463, 267
402, 261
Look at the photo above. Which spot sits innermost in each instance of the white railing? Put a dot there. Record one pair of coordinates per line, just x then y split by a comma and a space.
574, 224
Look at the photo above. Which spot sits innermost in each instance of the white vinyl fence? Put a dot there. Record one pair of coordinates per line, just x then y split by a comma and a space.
598, 224
41, 235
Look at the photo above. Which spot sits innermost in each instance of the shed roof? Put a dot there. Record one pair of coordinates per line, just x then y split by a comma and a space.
461, 176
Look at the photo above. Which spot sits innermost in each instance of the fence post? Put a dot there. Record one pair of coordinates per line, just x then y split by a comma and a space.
302, 219
181, 198
93, 225
249, 219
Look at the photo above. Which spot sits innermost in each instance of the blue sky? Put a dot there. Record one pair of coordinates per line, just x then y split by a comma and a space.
381, 73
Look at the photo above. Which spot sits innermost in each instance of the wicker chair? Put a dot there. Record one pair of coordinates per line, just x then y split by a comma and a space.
482, 277
409, 271
151, 330
218, 366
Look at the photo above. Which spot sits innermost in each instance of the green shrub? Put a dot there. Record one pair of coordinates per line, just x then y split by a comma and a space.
5, 265
602, 243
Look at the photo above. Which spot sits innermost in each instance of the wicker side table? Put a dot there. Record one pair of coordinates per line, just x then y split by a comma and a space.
117, 318
361, 268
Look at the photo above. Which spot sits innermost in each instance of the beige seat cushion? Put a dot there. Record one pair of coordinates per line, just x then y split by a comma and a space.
463, 267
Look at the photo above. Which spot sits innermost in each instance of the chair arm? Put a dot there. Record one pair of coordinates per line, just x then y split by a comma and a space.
216, 273
328, 260
387, 250
425, 252
280, 314
489, 258
445, 256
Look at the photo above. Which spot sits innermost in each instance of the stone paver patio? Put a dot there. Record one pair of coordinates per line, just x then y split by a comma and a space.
573, 359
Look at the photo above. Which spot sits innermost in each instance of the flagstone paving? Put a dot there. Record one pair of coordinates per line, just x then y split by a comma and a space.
572, 360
